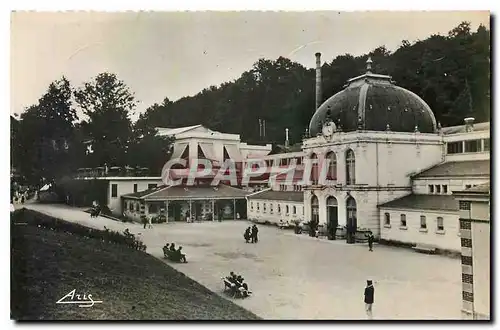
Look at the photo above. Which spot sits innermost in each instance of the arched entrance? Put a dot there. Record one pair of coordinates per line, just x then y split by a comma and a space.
352, 223
332, 216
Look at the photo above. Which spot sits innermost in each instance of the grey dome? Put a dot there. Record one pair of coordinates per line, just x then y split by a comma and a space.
372, 102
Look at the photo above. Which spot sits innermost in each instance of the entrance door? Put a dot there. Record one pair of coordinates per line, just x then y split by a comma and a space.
332, 210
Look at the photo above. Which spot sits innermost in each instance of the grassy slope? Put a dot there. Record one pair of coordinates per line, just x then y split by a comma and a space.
46, 265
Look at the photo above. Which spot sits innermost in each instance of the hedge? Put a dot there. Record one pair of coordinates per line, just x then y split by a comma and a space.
33, 218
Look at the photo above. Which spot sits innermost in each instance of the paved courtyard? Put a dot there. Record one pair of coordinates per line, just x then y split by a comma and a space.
298, 277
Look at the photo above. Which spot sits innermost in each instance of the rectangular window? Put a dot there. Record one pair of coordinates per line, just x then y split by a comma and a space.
251, 206
445, 189
387, 219
464, 205
114, 190
438, 189
440, 223
264, 208
466, 242
467, 296
486, 144
130, 206
135, 187
271, 208
455, 147
466, 261
403, 220
431, 189
473, 146
465, 224
423, 222
152, 185
258, 206
467, 278
137, 207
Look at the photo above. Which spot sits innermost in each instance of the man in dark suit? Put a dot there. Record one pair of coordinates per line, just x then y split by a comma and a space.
369, 297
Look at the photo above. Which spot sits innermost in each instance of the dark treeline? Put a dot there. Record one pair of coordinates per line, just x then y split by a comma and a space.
451, 73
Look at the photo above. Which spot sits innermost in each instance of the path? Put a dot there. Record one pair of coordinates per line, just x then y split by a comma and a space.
298, 277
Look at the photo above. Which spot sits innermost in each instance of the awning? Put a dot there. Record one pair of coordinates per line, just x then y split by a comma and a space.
178, 150
208, 150
233, 152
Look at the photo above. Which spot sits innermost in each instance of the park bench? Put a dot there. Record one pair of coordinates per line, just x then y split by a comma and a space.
170, 255
425, 248
233, 290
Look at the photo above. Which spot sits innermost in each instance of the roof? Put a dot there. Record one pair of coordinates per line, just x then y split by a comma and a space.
424, 202
290, 196
372, 102
178, 130
461, 128
461, 168
477, 189
194, 192
143, 193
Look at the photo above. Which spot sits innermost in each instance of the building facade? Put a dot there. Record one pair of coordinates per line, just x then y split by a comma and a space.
474, 216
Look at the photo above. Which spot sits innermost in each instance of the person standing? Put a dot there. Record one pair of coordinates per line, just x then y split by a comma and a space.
369, 298
370, 241
255, 232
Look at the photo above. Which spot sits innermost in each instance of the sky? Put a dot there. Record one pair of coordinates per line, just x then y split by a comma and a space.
177, 54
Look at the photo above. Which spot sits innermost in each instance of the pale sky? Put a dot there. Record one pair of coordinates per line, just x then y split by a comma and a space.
172, 55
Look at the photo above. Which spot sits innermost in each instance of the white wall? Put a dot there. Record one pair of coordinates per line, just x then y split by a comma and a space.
366, 205
449, 239
135, 213
126, 186
481, 266
274, 216
379, 155
421, 186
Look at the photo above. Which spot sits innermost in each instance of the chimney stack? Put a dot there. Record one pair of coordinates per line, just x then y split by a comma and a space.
469, 124
287, 142
318, 80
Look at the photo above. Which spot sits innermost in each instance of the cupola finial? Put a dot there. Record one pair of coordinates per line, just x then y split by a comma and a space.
369, 64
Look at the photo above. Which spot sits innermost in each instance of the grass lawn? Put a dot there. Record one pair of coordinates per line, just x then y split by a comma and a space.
46, 265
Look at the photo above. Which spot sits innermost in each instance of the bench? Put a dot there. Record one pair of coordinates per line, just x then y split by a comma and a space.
426, 248
170, 255
233, 290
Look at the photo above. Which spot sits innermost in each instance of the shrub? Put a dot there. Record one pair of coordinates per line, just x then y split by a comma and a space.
33, 218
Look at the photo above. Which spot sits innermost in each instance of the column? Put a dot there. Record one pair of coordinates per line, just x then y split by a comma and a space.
213, 209
166, 209
190, 211
234, 209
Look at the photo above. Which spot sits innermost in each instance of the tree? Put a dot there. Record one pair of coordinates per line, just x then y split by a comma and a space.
107, 102
44, 140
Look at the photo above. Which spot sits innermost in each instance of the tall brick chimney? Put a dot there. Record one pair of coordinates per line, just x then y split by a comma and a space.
318, 80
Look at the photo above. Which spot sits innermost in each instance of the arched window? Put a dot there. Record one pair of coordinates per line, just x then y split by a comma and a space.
332, 166
350, 161
258, 206
314, 209
287, 210
279, 208
294, 210
351, 212
314, 169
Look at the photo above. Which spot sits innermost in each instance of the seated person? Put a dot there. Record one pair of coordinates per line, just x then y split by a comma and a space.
165, 249
172, 247
126, 232
182, 257
230, 277
239, 280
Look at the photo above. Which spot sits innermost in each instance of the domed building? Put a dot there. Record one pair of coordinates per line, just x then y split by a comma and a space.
375, 160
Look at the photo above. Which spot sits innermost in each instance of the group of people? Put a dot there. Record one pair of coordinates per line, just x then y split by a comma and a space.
251, 234
176, 254
239, 282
